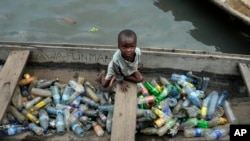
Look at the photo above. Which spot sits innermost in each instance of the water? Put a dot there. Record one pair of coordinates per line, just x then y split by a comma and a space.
178, 24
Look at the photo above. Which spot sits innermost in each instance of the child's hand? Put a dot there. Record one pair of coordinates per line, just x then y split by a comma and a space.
124, 86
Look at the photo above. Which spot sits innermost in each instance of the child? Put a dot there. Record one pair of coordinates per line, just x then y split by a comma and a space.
124, 64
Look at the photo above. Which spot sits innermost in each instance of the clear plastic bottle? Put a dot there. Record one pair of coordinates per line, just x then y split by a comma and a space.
90, 93
17, 99
204, 108
177, 77
169, 124
56, 94
102, 116
19, 116
77, 87
172, 101
149, 131
229, 113
217, 121
109, 122
164, 81
146, 100
89, 102
190, 123
66, 95
177, 107
14, 130
106, 107
51, 110
60, 125
164, 106
195, 132
222, 97
217, 133
30, 116
66, 113
35, 128
76, 102
41, 104
212, 104
77, 129
98, 129
47, 83
156, 85
41, 92
142, 89
73, 97
44, 119
29, 104
191, 95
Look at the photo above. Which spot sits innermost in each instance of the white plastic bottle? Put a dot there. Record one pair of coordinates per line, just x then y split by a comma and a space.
217, 133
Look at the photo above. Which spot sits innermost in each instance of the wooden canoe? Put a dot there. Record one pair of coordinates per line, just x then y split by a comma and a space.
226, 72
239, 9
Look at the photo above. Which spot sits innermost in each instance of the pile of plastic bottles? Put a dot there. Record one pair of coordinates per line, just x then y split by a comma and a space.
165, 107
48, 106
182, 104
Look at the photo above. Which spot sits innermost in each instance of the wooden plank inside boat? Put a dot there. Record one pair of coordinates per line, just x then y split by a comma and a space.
245, 71
9, 76
124, 118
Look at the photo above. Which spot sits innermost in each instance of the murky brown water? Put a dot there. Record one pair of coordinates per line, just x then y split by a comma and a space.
159, 23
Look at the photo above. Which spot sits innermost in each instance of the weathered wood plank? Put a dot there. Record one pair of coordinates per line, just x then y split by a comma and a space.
245, 72
124, 118
9, 76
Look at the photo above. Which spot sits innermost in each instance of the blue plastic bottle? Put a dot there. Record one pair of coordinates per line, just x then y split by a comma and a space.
177, 77
212, 104
77, 129
56, 94
60, 125
16, 129
192, 96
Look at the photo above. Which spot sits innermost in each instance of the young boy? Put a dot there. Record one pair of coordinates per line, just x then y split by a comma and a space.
124, 64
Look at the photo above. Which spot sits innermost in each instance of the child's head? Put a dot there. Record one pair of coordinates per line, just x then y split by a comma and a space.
127, 42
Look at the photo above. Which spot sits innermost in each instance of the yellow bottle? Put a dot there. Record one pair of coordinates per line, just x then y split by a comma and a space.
41, 104
30, 116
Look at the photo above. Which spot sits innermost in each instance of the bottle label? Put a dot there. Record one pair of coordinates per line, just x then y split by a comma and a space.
203, 111
167, 111
160, 121
74, 126
218, 133
40, 104
197, 132
29, 116
150, 99
144, 91
58, 123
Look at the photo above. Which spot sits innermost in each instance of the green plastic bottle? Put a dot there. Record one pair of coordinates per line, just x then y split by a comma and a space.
152, 89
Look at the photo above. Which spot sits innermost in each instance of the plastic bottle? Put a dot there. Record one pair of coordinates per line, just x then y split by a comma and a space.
98, 129
212, 104
17, 98
142, 89
62, 106
163, 94
91, 113
217, 121
100, 122
66, 94
146, 100
156, 85
106, 107
172, 101
202, 123
205, 82
66, 113
177, 77
191, 95
159, 122
217, 133
197, 78
41, 104
77, 87
73, 97
44, 119
195, 132
47, 83
222, 97
189, 123
56, 94
204, 108
29, 104
169, 124
77, 129
25, 92
158, 112
51, 110
174, 130
177, 107
19, 116
41, 92
149, 131
152, 89
90, 93
38, 130
109, 122
15, 129
173, 91
27, 80
89, 102
102, 116
101, 95
76, 102
30, 116
164, 106
229, 113
164, 81
60, 125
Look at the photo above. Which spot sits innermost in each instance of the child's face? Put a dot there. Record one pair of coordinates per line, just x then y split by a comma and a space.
127, 47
